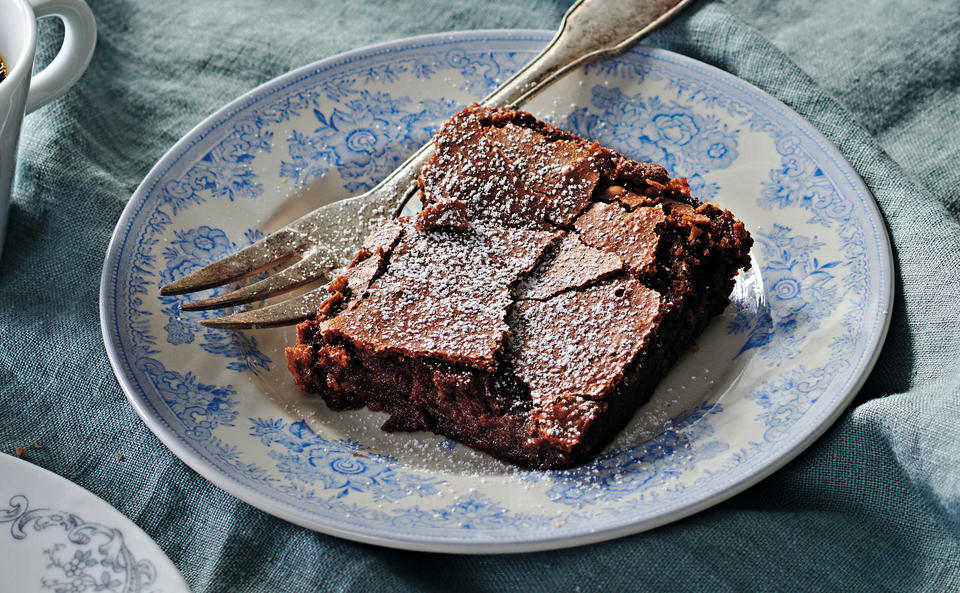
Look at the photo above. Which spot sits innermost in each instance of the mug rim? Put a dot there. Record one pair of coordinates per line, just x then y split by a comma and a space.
23, 66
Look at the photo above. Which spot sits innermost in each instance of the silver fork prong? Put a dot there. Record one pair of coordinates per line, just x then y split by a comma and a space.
266, 252
284, 313
312, 267
344, 224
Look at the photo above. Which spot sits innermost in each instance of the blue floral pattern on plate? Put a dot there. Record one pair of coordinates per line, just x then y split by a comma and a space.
781, 363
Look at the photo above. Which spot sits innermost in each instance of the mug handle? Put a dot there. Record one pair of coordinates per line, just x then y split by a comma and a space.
79, 39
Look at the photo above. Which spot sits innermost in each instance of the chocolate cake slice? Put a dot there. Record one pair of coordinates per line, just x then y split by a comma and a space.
535, 302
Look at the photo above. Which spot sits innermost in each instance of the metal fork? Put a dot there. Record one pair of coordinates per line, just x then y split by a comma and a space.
327, 238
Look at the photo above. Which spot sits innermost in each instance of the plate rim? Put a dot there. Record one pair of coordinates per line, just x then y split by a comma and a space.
235, 488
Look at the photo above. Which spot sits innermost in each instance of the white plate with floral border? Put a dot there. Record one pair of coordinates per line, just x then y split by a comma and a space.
56, 536
765, 380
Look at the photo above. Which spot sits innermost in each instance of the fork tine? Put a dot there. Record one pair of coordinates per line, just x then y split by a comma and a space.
271, 249
287, 312
314, 266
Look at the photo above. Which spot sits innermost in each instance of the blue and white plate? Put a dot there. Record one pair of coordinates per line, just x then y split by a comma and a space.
55, 536
766, 379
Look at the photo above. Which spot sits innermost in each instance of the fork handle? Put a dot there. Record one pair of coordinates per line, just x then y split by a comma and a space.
590, 29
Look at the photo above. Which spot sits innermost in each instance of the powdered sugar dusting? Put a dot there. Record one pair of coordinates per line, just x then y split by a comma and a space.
562, 172
570, 265
444, 295
633, 236
510, 175
580, 342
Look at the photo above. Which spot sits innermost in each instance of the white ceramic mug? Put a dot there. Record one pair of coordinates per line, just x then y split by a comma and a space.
18, 95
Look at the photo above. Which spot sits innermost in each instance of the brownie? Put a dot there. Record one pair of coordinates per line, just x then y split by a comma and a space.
535, 302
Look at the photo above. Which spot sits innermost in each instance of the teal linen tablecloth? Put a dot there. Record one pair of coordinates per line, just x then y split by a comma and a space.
873, 506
